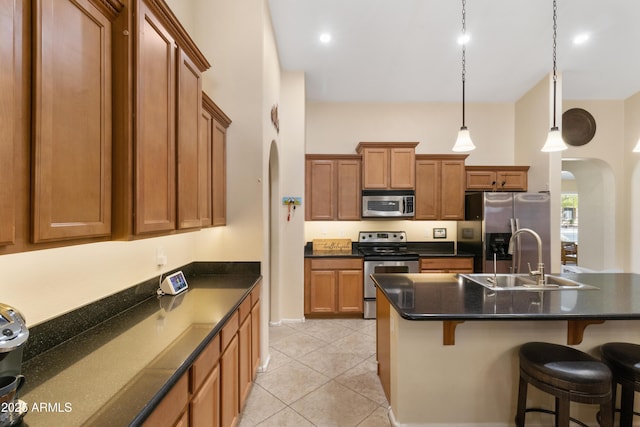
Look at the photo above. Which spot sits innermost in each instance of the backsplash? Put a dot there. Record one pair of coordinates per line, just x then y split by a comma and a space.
417, 231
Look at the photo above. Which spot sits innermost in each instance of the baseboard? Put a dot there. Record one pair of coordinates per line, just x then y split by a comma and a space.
283, 321
395, 423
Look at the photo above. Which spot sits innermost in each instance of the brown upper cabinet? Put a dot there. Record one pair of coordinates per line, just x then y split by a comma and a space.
157, 184
72, 62
332, 187
100, 125
12, 133
387, 165
497, 178
213, 174
440, 186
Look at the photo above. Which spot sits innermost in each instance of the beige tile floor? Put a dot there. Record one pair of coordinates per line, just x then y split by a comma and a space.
321, 373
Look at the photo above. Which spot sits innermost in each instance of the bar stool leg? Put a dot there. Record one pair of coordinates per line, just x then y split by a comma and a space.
522, 402
606, 414
562, 412
626, 405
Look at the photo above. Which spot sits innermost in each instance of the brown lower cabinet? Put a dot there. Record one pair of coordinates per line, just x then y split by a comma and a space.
334, 286
214, 390
229, 382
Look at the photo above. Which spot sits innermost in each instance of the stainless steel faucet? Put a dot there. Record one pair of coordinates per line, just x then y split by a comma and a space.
539, 273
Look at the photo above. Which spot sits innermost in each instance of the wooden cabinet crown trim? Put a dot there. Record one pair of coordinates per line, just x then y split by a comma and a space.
364, 145
168, 19
333, 157
215, 111
497, 168
109, 8
441, 156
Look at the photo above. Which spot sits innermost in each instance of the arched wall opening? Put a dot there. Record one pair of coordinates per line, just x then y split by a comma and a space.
594, 183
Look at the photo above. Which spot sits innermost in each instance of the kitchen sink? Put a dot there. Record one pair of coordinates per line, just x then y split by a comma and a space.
524, 282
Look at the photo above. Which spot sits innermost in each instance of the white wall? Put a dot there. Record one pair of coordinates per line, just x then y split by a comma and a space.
602, 185
632, 176
337, 128
291, 148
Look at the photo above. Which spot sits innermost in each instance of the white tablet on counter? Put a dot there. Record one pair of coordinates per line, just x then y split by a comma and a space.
174, 283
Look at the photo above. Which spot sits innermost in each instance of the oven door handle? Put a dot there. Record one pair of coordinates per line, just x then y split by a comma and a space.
391, 259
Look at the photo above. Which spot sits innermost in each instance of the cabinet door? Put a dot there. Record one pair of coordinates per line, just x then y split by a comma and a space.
219, 172
350, 291
10, 80
481, 180
72, 121
320, 190
402, 175
205, 177
229, 388
204, 409
170, 408
155, 186
189, 112
322, 291
428, 189
349, 189
244, 361
376, 168
453, 187
511, 180
255, 339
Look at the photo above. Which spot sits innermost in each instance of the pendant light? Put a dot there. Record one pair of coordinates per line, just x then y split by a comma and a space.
463, 143
554, 139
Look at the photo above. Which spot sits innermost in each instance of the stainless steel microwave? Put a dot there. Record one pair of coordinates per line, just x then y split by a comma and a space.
388, 203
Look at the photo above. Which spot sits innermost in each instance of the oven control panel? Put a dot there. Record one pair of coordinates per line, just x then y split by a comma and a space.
382, 237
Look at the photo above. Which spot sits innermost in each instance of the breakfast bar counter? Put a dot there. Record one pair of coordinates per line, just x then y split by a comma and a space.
448, 347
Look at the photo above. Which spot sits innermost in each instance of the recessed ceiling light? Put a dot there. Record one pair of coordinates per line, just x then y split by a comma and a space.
325, 38
581, 39
464, 39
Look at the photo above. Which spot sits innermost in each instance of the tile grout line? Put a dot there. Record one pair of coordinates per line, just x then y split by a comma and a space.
352, 330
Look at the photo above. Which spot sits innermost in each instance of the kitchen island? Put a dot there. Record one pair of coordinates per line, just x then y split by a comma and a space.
447, 347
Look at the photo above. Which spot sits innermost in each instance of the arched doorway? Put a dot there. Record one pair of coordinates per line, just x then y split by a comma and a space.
594, 187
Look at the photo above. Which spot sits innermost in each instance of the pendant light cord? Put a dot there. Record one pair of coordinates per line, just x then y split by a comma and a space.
464, 59
555, 77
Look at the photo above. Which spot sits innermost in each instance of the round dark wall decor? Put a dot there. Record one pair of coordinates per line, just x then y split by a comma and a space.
578, 126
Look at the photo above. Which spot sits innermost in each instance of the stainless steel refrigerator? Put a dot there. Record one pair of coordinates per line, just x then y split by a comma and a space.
491, 219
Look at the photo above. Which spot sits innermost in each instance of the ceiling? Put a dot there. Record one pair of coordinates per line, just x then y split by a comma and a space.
407, 50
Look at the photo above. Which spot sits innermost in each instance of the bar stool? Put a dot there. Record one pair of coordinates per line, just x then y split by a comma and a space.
568, 374
624, 360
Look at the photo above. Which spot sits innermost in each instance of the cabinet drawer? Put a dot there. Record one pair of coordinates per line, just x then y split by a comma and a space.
229, 330
456, 264
244, 309
255, 294
336, 264
205, 363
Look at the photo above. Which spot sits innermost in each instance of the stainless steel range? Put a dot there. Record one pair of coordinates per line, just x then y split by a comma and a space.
384, 252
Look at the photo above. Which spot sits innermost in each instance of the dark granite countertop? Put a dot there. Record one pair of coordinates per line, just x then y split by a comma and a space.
118, 371
423, 249
449, 297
